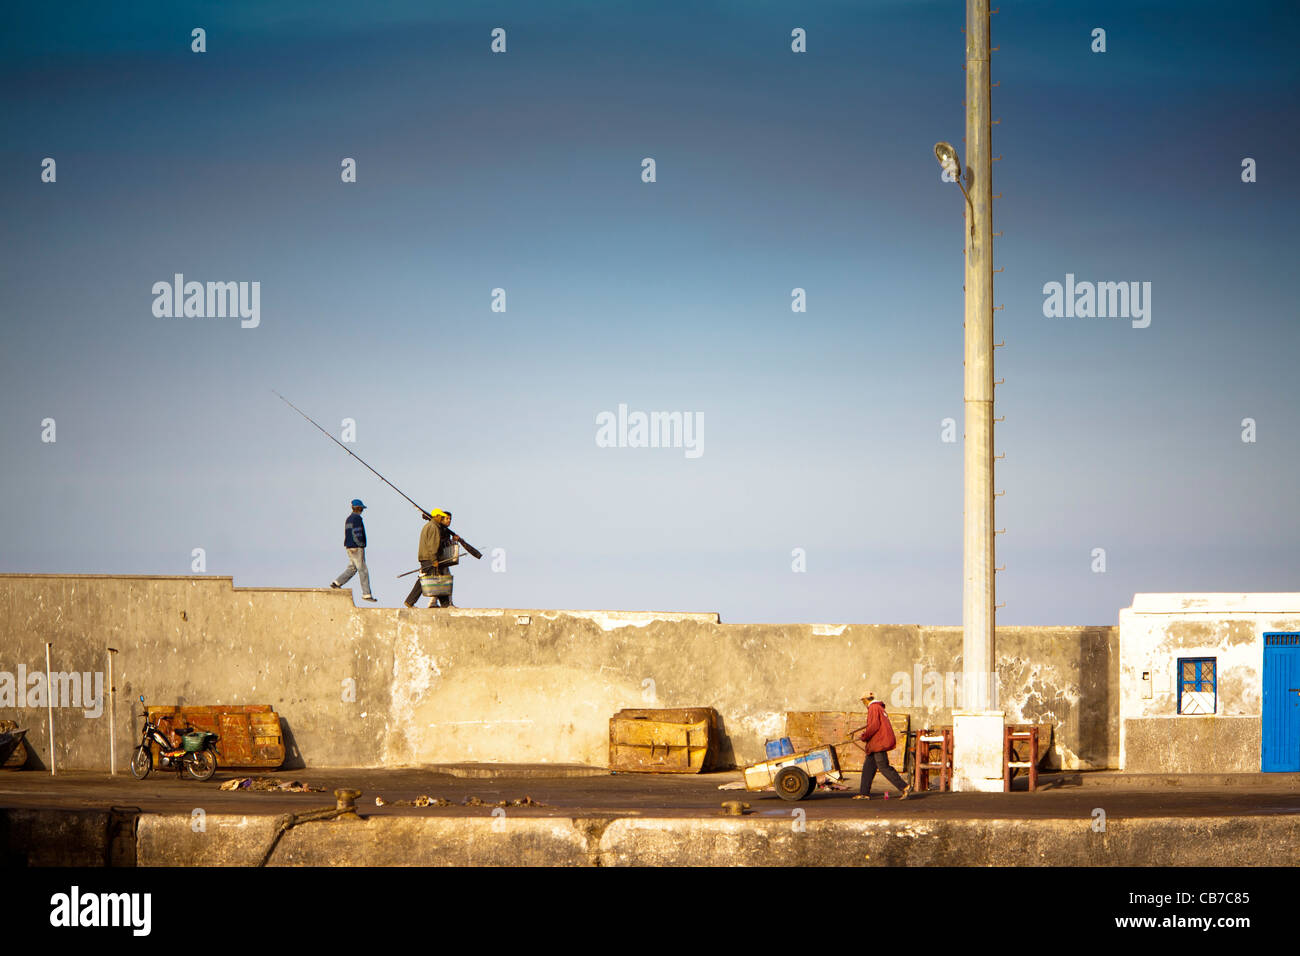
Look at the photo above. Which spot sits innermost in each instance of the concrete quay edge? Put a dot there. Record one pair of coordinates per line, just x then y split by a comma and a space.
99, 838
168, 840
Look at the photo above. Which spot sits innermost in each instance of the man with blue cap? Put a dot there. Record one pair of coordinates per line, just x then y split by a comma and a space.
354, 541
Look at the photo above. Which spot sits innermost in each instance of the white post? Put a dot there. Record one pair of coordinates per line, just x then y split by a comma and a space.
977, 726
112, 716
978, 634
49, 703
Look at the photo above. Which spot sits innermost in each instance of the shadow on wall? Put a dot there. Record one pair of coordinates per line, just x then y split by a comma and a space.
1098, 723
725, 756
293, 759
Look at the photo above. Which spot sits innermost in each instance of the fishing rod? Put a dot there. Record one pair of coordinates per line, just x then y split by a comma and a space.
468, 547
437, 569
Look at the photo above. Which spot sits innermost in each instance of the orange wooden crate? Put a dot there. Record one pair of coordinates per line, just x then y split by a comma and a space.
250, 733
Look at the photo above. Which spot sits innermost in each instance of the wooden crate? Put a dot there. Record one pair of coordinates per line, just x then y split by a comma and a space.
812, 728
669, 740
250, 733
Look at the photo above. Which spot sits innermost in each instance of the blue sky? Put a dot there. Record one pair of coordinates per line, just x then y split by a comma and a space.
775, 170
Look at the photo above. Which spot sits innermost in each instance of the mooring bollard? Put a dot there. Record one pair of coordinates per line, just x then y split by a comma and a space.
347, 804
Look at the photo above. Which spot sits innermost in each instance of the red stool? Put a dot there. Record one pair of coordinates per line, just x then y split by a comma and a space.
1009, 737
921, 767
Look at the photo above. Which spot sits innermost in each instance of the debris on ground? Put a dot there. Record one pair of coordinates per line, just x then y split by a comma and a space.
270, 783
524, 801
734, 785
424, 800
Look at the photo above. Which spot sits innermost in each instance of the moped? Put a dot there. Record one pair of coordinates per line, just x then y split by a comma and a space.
197, 755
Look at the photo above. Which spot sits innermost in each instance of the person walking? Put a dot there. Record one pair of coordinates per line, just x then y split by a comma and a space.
354, 541
436, 554
878, 739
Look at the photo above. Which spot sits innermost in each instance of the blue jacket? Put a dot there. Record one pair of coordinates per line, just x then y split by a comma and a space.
354, 532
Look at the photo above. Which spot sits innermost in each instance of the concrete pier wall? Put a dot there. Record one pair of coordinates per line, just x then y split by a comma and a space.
93, 838
364, 687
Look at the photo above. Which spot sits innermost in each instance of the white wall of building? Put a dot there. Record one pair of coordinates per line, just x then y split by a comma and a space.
1155, 633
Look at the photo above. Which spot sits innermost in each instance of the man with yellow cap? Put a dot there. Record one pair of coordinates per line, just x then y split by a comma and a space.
437, 553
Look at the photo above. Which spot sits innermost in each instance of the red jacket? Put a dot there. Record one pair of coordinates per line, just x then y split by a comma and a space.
879, 733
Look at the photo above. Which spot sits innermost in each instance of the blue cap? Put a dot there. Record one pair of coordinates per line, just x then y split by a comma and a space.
356, 503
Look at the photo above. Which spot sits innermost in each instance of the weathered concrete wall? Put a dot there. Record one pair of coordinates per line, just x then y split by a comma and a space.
90, 839
365, 687
1161, 628
169, 840
194, 640
80, 838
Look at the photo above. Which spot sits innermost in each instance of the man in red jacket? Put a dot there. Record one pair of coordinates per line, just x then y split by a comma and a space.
878, 738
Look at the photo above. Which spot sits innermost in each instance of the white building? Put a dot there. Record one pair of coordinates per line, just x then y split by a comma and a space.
1210, 683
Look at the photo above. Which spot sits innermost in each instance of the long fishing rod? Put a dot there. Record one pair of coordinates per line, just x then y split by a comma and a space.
468, 547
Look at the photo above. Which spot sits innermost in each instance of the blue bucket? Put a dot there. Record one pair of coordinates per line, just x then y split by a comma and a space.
779, 748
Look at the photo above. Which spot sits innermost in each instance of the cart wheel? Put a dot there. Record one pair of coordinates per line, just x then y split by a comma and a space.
792, 783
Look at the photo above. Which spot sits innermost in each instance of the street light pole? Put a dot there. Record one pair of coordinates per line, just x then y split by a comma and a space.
978, 726
979, 651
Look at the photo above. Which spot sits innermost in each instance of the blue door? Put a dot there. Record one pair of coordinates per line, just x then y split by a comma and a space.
1281, 702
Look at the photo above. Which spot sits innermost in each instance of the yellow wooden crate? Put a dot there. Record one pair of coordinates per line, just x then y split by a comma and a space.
672, 740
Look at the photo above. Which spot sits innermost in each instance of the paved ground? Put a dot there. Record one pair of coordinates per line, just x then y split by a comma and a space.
594, 793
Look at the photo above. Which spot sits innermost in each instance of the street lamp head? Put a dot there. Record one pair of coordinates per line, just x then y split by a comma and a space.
947, 157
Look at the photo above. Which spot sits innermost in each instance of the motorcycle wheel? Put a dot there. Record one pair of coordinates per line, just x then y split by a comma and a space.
201, 764
141, 763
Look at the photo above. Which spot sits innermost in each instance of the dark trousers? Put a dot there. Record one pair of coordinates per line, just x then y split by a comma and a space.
878, 761
417, 592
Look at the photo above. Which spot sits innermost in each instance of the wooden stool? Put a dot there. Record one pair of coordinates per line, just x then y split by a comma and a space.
921, 767
1009, 736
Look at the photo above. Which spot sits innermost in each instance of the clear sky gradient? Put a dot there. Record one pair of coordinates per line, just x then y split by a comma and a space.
775, 170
